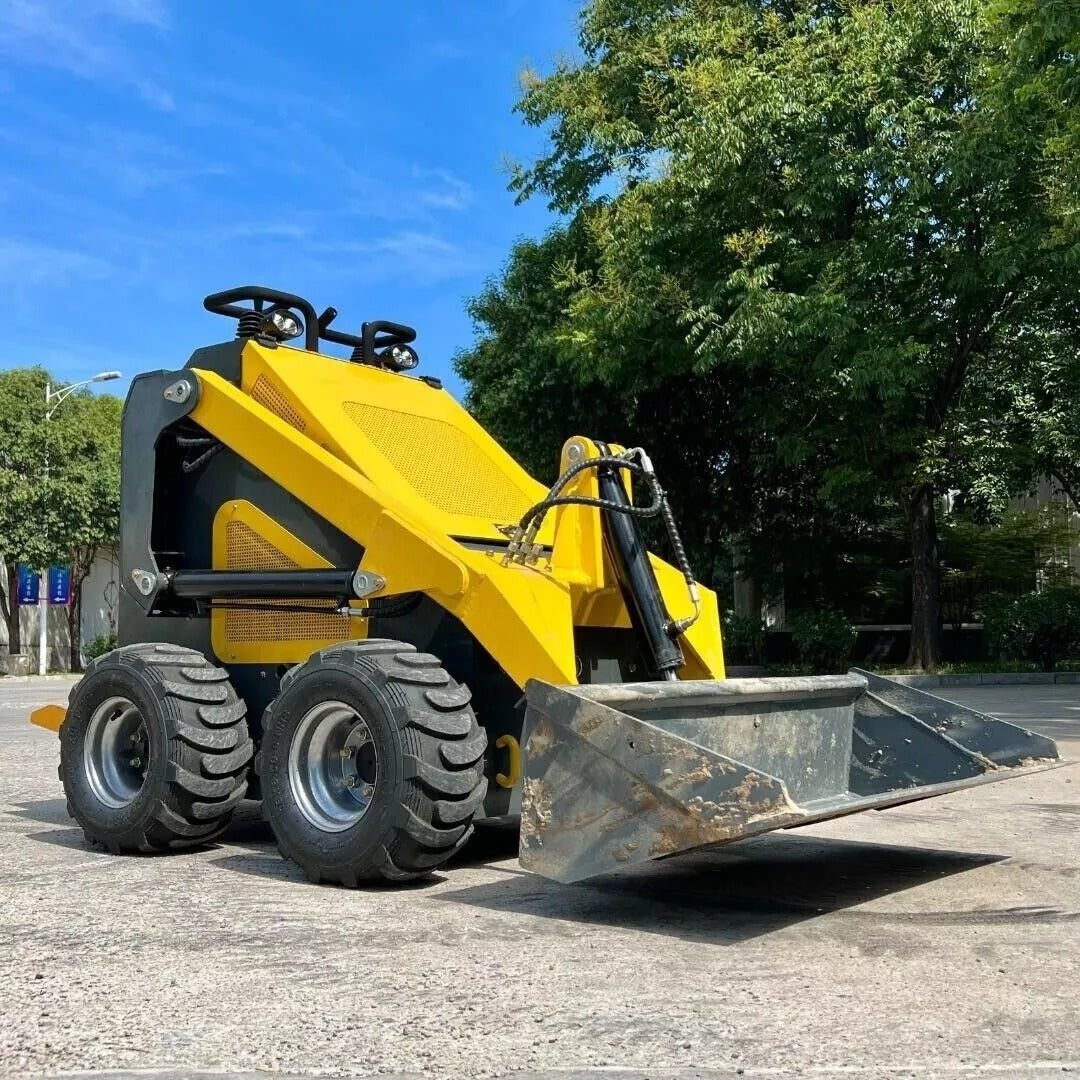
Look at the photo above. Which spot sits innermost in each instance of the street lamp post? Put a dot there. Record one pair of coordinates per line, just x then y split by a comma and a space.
54, 398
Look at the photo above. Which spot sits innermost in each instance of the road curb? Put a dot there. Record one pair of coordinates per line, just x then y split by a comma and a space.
993, 678
988, 678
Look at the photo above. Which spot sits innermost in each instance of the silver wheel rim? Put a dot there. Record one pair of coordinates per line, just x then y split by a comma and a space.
333, 766
116, 752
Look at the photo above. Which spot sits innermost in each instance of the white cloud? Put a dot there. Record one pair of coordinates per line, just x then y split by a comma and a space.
449, 193
26, 263
425, 256
126, 161
83, 38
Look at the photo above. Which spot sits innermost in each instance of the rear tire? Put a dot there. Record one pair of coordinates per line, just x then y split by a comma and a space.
371, 764
154, 749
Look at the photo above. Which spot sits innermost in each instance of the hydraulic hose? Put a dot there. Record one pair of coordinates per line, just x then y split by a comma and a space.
523, 546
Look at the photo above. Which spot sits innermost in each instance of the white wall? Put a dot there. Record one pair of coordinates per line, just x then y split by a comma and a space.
101, 597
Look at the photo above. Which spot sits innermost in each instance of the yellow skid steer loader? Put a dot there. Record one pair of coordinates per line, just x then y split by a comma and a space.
342, 596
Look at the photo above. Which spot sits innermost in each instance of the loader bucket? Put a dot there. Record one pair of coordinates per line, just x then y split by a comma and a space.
617, 774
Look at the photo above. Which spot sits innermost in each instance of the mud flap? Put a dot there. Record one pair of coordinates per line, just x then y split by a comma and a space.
616, 774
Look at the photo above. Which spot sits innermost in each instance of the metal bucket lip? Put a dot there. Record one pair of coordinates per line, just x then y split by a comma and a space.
724, 691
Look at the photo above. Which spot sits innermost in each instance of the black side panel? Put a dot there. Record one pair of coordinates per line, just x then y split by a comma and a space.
223, 359
147, 413
258, 685
609, 654
173, 517
135, 626
184, 523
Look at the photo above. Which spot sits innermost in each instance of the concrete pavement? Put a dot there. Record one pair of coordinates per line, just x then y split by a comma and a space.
940, 939
1050, 710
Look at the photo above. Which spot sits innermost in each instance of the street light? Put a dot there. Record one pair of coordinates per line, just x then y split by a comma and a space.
58, 397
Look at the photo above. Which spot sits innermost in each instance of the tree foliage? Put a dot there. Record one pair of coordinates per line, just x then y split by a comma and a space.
1038, 77
823, 639
59, 483
1041, 626
1023, 550
813, 248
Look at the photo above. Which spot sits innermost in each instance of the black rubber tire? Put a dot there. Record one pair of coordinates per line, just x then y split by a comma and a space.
431, 763
199, 749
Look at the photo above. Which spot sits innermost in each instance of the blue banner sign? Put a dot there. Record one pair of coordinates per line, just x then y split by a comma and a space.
59, 585
29, 583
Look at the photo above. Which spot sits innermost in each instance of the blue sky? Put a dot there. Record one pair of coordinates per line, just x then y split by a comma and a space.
152, 151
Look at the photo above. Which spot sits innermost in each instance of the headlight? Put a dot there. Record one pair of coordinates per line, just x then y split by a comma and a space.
282, 324
400, 358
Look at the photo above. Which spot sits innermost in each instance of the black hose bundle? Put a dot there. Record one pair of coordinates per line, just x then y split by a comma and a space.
524, 549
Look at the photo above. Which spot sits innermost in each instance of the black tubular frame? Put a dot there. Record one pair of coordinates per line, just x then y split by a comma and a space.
332, 584
225, 303
373, 338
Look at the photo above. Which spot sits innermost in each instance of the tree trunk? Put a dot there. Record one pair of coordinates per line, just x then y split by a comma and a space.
925, 649
74, 613
11, 609
79, 563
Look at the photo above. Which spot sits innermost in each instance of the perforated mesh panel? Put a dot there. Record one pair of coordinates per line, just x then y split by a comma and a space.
442, 463
245, 549
270, 397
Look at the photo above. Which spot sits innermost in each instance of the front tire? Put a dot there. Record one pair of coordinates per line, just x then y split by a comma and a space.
154, 749
371, 764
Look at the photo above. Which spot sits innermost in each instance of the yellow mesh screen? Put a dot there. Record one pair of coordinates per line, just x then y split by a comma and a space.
245, 549
270, 397
441, 463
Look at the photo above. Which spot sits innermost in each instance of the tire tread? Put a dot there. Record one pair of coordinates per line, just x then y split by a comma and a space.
443, 783
208, 745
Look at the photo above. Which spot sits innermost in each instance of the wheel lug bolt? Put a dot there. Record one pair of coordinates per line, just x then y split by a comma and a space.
345, 753
135, 762
350, 781
369, 791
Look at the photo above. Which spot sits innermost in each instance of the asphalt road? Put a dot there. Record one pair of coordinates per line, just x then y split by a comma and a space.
937, 940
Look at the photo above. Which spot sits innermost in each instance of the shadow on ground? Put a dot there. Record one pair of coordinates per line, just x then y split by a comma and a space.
47, 811
247, 827
725, 897
490, 843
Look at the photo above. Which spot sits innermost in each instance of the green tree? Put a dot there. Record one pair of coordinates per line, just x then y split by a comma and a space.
1038, 79
823, 217
84, 483
981, 562
59, 485
22, 457
1041, 626
535, 380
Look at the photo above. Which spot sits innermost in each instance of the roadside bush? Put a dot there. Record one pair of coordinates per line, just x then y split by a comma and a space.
823, 638
1040, 626
744, 639
100, 645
